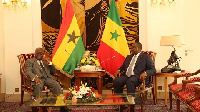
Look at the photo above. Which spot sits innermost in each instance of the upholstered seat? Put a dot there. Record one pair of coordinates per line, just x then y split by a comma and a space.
176, 87
195, 105
185, 90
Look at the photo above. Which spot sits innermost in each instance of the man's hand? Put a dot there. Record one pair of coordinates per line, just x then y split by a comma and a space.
143, 76
46, 59
117, 73
37, 81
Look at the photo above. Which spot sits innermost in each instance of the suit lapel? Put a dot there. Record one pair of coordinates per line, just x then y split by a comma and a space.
129, 59
139, 59
38, 66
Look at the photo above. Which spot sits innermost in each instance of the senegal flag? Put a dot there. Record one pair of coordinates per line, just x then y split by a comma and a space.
113, 47
69, 48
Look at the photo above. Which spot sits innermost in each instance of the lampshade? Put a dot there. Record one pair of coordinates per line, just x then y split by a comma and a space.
174, 40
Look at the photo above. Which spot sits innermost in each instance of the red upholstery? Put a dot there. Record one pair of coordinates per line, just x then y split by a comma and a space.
196, 105
176, 87
186, 92
195, 79
184, 95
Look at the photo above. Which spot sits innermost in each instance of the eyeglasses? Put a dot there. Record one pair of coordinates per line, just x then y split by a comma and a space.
40, 53
135, 46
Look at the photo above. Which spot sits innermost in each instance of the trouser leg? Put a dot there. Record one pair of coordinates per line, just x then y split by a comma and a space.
53, 85
38, 89
131, 83
119, 83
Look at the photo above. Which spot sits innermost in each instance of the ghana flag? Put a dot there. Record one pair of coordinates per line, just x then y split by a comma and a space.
113, 47
69, 48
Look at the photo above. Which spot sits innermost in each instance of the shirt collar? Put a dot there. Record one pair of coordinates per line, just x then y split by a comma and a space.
137, 54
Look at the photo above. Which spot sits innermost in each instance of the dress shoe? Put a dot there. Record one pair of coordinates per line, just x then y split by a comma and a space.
64, 109
125, 107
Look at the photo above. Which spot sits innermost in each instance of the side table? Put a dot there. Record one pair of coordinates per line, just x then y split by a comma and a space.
165, 75
98, 74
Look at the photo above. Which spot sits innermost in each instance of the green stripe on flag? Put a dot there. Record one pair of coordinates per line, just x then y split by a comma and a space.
113, 13
76, 56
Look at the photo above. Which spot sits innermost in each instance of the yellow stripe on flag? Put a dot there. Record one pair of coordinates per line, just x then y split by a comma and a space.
65, 49
111, 26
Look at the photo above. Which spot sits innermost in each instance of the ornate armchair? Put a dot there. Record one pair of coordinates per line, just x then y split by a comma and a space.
186, 92
142, 89
25, 81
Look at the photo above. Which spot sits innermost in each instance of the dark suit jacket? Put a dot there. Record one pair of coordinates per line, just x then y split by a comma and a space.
32, 68
144, 63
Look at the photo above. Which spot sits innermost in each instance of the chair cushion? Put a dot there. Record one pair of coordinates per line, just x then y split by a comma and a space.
184, 95
196, 105
175, 87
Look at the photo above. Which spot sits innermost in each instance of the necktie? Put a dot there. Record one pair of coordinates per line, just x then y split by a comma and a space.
43, 70
130, 69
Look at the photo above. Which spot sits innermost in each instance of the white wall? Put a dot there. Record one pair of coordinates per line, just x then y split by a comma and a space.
180, 18
143, 24
18, 39
36, 24
163, 21
22, 34
2, 50
191, 32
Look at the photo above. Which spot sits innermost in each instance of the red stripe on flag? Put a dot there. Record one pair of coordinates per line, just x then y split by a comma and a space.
67, 19
109, 59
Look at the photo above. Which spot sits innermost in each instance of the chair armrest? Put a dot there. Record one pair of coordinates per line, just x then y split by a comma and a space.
24, 75
196, 96
174, 82
186, 75
189, 74
184, 83
195, 79
142, 86
182, 75
26, 83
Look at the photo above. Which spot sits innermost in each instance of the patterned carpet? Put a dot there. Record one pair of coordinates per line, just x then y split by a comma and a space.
148, 107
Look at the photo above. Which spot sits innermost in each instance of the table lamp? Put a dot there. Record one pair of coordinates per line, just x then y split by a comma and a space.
173, 61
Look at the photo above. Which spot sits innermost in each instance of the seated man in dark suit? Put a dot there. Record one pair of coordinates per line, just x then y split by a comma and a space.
135, 68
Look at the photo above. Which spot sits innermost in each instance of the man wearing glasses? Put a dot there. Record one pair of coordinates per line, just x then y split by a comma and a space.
41, 70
